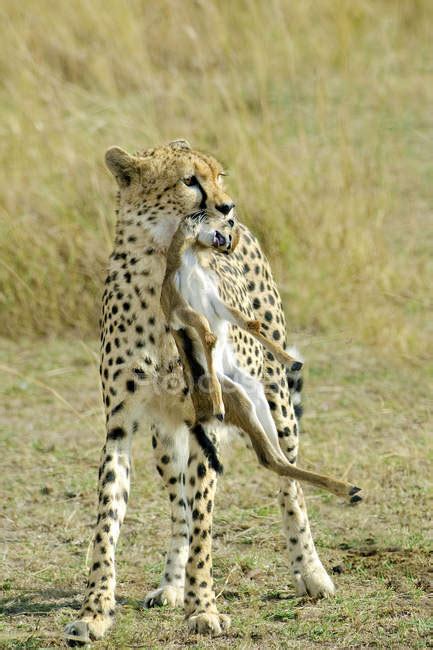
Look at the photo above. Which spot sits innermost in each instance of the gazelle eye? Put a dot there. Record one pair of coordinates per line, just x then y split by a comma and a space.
190, 181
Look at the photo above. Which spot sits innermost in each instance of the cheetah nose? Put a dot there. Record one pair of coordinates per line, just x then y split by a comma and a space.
225, 207
218, 239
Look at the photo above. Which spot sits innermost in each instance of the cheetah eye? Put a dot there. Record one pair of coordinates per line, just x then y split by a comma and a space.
231, 223
190, 181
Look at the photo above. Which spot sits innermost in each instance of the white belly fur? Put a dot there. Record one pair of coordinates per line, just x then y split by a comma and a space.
199, 288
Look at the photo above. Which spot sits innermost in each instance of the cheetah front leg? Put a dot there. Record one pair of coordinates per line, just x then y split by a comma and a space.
171, 454
200, 603
97, 612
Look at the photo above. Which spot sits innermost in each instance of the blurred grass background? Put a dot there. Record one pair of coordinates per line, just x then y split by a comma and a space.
322, 111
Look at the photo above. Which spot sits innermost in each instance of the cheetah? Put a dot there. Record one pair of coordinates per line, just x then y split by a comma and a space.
144, 390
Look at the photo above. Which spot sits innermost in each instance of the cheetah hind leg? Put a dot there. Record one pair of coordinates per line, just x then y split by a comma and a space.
171, 454
209, 623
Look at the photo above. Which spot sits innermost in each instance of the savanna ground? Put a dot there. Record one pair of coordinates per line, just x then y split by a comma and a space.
322, 111
360, 419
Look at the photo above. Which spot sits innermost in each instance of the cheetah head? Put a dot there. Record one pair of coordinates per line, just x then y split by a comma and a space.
165, 184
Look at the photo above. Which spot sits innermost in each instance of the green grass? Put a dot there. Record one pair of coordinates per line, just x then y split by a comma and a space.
321, 110
364, 417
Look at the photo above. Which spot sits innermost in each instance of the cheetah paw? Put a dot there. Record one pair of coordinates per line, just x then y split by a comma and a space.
314, 582
77, 634
82, 632
167, 595
208, 623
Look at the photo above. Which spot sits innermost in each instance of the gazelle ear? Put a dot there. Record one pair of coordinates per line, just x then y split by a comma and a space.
235, 238
180, 144
121, 165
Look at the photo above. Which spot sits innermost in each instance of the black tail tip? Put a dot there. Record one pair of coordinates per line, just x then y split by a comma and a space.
296, 366
298, 411
355, 499
354, 490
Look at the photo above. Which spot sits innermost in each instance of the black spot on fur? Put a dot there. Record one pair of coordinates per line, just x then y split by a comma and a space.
299, 410
117, 408
208, 447
196, 368
116, 434
109, 477
201, 470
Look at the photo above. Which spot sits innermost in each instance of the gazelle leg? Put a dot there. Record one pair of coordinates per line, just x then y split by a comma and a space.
192, 319
253, 328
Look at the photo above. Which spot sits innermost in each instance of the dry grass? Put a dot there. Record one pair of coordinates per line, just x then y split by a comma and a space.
322, 110
359, 418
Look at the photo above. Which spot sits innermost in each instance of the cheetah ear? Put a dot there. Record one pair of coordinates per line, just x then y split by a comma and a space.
180, 144
123, 166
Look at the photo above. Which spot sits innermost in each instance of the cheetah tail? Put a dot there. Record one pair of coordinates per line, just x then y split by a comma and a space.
295, 382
